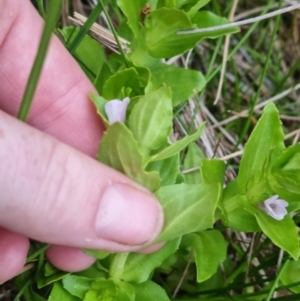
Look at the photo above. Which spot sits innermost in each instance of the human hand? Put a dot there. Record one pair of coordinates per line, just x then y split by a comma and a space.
51, 191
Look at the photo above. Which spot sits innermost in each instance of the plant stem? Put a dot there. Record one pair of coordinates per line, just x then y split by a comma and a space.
51, 19
111, 25
239, 270
41, 9
117, 265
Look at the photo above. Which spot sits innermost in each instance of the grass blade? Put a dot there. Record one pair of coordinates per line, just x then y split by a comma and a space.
51, 19
85, 28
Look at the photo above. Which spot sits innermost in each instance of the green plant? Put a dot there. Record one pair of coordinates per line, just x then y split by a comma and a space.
197, 205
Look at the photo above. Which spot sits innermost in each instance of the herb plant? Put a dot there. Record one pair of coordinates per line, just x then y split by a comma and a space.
139, 95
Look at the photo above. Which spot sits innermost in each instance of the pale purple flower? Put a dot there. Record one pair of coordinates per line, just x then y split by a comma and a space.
116, 110
274, 207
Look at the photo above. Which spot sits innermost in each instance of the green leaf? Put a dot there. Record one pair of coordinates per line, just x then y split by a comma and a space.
93, 295
235, 216
291, 274
212, 171
150, 119
288, 184
89, 54
187, 208
192, 159
205, 19
289, 162
77, 286
103, 75
189, 6
99, 103
179, 178
160, 32
184, 83
210, 250
286, 192
196, 6
167, 168
108, 290
286, 169
149, 291
144, 74
95, 272
132, 10
51, 275
257, 189
103, 289
50, 270
125, 292
283, 233
105, 284
127, 79
162, 25
191, 81
138, 267
119, 150
266, 136
141, 57
166, 3
58, 293
97, 253
177, 146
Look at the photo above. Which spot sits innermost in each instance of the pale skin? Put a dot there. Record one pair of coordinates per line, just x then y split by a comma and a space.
51, 188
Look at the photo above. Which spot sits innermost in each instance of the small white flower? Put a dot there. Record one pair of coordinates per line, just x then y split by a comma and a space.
275, 207
116, 110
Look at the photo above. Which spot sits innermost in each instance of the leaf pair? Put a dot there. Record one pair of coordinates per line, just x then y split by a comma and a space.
76, 288
264, 167
127, 149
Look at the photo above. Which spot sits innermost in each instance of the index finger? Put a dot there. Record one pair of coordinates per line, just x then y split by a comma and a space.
61, 106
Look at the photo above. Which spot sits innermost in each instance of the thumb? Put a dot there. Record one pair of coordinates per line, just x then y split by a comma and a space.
53, 193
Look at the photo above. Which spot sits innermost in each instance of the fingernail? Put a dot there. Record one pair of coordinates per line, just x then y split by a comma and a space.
128, 215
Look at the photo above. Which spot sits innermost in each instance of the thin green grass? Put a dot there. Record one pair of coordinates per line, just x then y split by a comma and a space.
37, 253
50, 24
111, 25
85, 28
